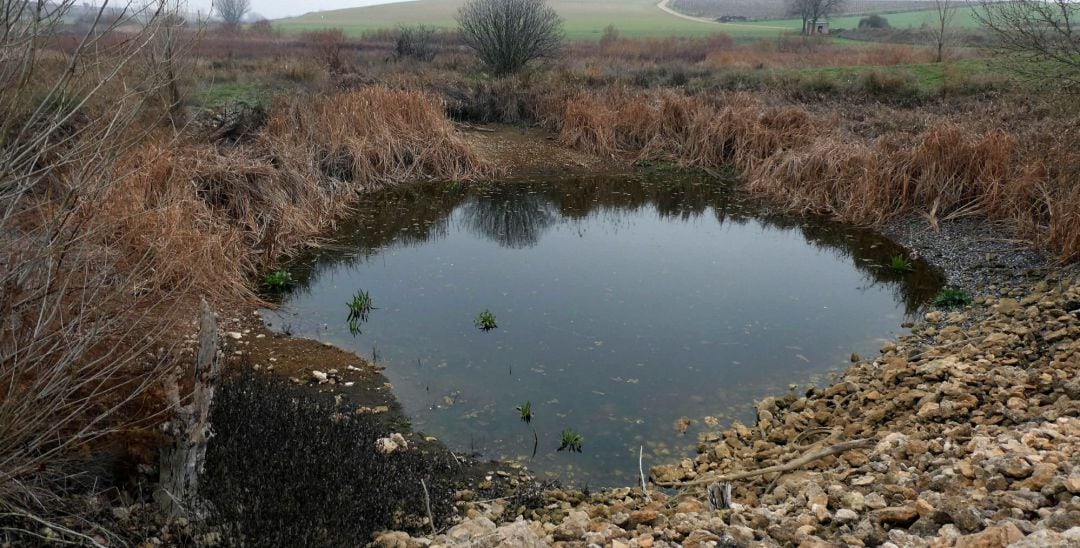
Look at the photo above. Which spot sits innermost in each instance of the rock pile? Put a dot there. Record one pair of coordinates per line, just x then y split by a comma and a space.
970, 437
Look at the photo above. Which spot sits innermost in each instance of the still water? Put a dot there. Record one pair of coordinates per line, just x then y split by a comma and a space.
623, 305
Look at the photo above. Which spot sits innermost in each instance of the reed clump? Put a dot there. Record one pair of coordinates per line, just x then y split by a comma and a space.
218, 214
813, 163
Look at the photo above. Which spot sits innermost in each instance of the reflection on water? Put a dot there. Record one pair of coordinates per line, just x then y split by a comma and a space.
623, 305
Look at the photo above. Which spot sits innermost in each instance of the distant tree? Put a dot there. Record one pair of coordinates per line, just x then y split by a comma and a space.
508, 34
874, 21
944, 10
233, 11
813, 10
610, 36
1040, 37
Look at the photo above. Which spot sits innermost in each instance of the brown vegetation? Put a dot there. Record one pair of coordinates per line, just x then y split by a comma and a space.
116, 217
246, 205
114, 222
812, 164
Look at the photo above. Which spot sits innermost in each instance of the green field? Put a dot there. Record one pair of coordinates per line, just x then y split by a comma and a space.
586, 19
583, 19
964, 17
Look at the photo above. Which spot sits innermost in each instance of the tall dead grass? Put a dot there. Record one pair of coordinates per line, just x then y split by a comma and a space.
105, 252
811, 163
219, 213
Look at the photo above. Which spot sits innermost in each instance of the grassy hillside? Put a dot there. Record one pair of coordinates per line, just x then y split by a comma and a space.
584, 19
964, 17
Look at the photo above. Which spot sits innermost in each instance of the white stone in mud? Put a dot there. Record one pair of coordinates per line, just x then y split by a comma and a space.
469, 530
389, 445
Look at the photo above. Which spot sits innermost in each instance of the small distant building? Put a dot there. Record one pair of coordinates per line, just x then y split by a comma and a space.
816, 27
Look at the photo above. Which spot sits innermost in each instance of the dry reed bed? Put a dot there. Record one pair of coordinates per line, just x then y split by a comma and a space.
214, 215
812, 164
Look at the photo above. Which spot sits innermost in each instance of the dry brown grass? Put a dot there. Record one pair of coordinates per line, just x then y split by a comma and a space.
103, 262
217, 214
811, 163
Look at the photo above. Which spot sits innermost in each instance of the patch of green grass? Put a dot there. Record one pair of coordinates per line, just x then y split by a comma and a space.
900, 264
485, 321
279, 280
951, 297
964, 18
929, 78
525, 410
571, 441
213, 96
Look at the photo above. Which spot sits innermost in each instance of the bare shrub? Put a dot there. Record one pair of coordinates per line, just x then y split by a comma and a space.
609, 37
327, 47
1039, 38
508, 34
874, 21
80, 332
415, 42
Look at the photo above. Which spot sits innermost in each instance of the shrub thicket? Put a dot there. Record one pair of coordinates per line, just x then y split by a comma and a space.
874, 21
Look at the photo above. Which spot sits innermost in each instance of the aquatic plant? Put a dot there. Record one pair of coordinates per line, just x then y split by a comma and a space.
360, 306
571, 441
279, 280
951, 297
526, 411
485, 321
900, 264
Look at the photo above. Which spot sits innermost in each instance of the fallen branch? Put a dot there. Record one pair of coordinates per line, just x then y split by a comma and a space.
641, 470
427, 504
792, 465
474, 128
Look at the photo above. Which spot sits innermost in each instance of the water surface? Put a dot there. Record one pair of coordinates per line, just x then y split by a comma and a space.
623, 305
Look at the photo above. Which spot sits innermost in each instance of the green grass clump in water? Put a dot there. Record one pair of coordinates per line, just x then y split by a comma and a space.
525, 410
900, 264
279, 280
359, 308
485, 321
950, 297
571, 441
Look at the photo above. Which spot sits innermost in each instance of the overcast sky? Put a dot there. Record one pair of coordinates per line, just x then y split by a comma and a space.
274, 9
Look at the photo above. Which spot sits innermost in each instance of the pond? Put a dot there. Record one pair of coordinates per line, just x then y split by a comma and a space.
624, 305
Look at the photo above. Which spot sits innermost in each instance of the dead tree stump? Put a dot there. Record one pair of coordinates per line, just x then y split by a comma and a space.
188, 430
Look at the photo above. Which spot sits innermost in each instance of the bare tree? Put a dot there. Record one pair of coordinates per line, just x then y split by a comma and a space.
945, 10
233, 11
80, 324
813, 10
508, 34
1041, 38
